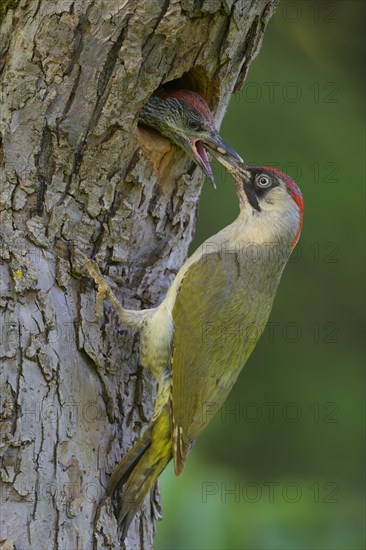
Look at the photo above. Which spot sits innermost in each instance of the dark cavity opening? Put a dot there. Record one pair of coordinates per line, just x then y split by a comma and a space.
197, 80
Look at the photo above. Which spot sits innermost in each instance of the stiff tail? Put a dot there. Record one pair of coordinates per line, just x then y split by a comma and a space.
140, 468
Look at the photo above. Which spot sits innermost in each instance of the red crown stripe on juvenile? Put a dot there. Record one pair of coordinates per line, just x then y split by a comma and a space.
191, 99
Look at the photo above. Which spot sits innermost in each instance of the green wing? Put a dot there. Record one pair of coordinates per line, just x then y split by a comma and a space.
210, 344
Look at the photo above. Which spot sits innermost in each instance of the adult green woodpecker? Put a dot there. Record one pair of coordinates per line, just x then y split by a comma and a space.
198, 340
184, 117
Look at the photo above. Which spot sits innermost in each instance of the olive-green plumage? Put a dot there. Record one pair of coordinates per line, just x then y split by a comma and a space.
198, 340
141, 467
213, 338
211, 341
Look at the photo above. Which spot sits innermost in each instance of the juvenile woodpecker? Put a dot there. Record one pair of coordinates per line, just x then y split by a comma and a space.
184, 117
198, 340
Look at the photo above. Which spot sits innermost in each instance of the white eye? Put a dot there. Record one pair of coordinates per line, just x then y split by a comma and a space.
263, 180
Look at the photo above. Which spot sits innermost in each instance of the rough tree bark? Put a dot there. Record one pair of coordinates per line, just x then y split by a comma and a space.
79, 176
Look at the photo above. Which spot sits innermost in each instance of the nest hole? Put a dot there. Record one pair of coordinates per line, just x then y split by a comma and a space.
160, 152
196, 80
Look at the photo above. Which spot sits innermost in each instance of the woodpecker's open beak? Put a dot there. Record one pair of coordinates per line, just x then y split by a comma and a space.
201, 159
218, 149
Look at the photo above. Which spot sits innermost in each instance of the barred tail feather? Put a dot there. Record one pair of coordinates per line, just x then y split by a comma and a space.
122, 471
140, 469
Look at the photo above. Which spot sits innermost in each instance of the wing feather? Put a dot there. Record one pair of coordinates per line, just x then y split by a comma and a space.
209, 345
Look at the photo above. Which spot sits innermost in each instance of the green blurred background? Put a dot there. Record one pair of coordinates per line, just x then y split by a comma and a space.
285, 470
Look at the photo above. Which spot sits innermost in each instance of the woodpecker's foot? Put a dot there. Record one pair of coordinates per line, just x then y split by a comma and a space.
104, 291
129, 317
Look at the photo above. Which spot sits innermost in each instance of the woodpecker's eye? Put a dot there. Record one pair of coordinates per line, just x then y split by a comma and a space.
194, 125
263, 181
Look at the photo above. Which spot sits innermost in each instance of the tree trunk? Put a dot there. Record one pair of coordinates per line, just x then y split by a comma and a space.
80, 177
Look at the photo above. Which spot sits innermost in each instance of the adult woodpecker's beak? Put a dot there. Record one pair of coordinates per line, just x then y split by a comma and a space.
218, 149
241, 171
242, 177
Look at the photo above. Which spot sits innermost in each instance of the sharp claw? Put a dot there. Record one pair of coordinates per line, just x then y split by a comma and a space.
104, 291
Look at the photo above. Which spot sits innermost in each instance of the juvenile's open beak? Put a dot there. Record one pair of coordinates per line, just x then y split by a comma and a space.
201, 158
218, 149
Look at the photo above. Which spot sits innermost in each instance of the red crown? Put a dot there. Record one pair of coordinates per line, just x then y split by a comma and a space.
193, 100
295, 194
